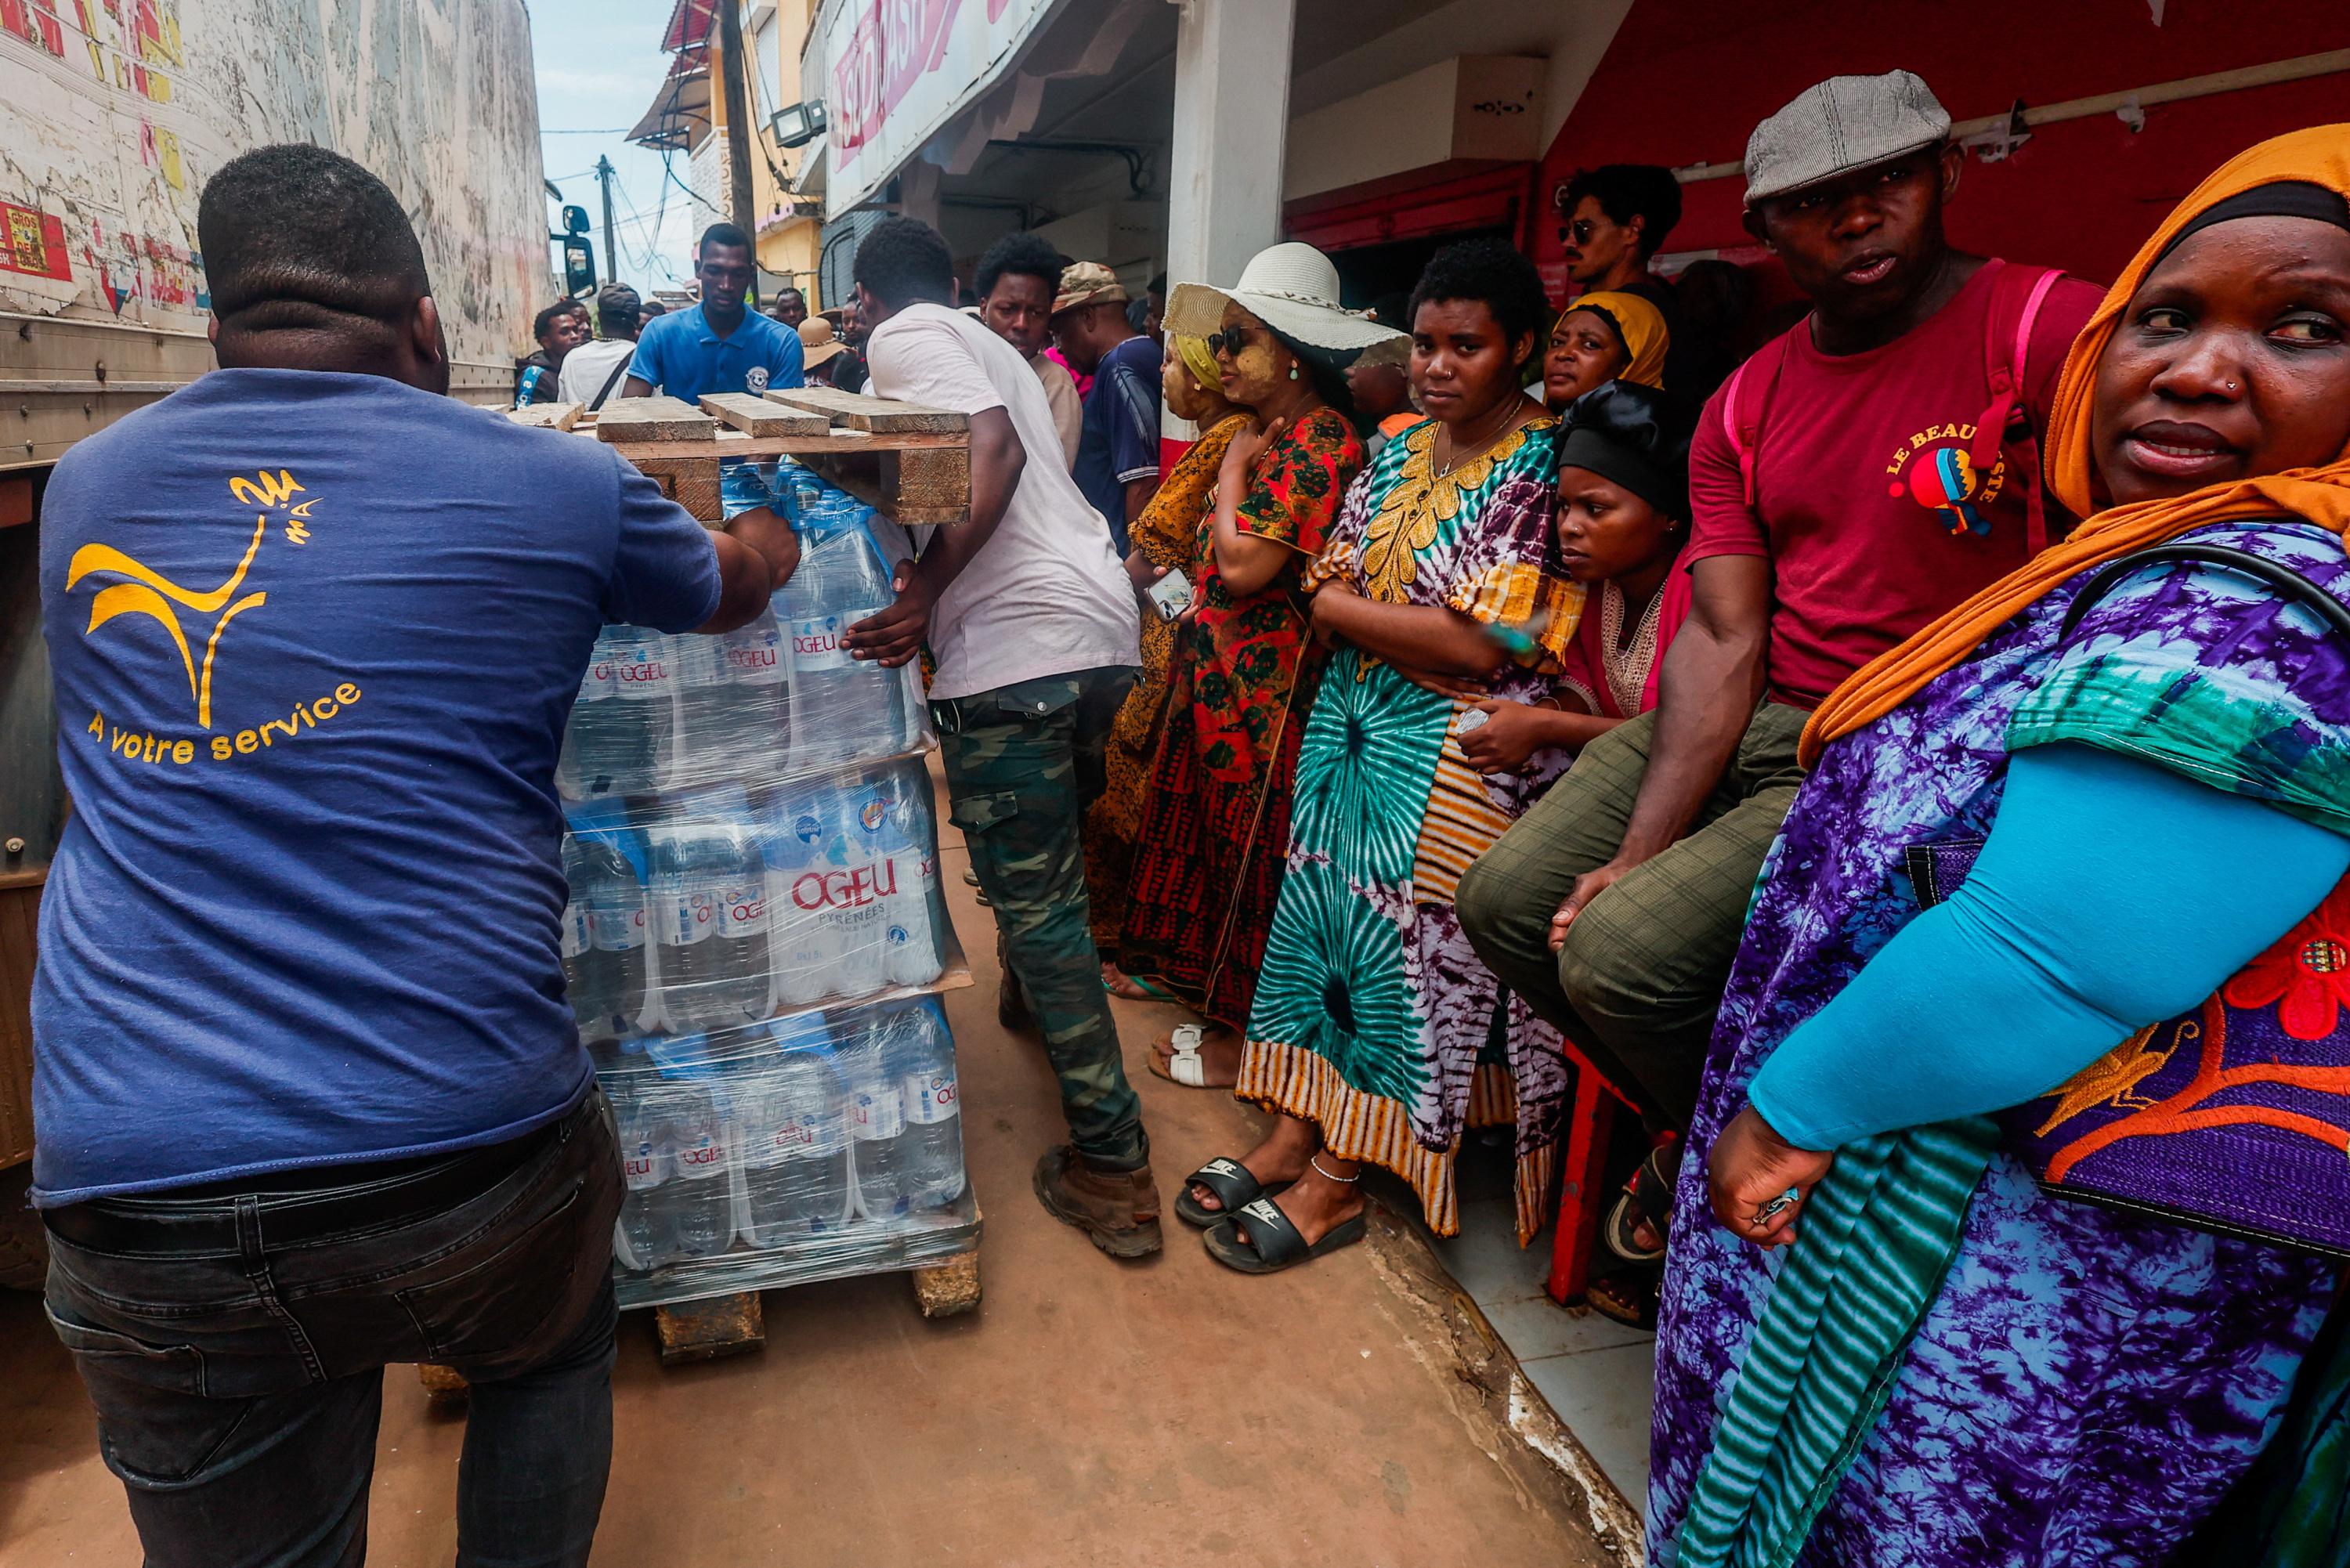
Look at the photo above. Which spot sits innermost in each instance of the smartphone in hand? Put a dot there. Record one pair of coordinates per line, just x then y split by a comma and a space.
1171, 596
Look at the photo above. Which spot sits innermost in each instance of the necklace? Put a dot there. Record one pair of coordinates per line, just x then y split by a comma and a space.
1462, 452
1628, 670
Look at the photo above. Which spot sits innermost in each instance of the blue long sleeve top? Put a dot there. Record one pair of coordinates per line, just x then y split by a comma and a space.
2110, 894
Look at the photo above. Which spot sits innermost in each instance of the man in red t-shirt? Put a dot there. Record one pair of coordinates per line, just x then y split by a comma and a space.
1615, 906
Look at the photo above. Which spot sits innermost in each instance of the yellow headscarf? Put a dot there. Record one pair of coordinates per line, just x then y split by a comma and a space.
1198, 358
2319, 156
1640, 324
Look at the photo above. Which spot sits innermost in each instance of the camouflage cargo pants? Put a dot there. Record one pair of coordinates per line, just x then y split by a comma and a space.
1023, 762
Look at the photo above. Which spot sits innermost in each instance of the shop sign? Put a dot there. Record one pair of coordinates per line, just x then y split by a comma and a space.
897, 70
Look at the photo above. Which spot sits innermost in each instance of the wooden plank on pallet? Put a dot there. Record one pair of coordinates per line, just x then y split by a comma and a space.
704, 1330
757, 417
928, 485
949, 1288
855, 412
443, 1385
653, 418
548, 416
690, 482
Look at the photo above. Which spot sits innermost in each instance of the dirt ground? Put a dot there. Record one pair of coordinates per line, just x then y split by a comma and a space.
1169, 1412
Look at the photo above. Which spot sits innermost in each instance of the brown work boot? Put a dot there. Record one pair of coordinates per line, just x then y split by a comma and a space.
1117, 1210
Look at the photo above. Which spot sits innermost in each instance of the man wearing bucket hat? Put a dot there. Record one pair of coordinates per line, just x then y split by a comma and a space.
1857, 477
1118, 442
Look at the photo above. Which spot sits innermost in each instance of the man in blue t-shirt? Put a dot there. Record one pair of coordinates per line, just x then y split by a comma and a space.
719, 344
308, 1096
1117, 449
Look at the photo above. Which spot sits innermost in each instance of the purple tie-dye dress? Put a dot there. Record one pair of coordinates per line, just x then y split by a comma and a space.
2086, 1385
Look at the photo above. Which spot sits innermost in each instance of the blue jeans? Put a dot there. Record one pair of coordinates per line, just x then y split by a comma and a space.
238, 1375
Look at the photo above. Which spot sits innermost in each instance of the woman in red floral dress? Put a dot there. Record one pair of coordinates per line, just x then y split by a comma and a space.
1215, 823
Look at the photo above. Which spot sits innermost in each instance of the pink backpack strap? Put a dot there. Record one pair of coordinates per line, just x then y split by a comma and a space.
2018, 292
1741, 417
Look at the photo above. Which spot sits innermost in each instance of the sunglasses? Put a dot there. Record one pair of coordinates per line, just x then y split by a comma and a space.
1583, 229
1229, 341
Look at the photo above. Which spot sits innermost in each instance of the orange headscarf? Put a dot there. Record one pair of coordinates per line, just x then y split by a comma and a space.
2320, 156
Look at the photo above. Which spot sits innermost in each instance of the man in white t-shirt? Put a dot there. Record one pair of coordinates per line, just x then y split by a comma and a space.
1031, 618
588, 374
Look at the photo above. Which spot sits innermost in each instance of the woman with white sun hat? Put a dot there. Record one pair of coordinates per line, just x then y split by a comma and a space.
1214, 823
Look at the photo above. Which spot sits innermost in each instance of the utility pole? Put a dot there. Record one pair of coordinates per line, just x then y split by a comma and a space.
738, 116
611, 255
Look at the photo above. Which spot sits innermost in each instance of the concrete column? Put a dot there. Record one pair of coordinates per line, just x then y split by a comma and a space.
1232, 124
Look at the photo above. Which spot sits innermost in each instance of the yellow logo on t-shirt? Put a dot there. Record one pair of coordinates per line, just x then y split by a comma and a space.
150, 593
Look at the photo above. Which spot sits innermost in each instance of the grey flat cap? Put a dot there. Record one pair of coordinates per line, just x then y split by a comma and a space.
1842, 124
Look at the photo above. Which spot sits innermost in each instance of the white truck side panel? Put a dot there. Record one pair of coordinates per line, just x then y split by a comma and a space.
113, 113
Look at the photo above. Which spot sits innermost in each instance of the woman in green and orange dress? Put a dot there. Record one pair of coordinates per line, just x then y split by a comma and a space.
1215, 826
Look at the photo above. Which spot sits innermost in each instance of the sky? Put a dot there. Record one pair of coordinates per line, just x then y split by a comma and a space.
598, 65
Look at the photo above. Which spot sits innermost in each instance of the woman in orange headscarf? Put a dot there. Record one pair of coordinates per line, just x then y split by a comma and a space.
2062, 817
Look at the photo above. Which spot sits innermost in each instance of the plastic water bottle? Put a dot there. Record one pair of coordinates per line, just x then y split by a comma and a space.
729, 695
700, 1195
622, 725
801, 941
911, 875
575, 942
795, 1149
758, 681
842, 708
857, 891
710, 896
605, 959
648, 1228
588, 736
918, 1050
798, 489
731, 705
877, 1124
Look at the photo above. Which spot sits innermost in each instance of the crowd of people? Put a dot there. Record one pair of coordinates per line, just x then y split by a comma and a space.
1519, 691
1893, 759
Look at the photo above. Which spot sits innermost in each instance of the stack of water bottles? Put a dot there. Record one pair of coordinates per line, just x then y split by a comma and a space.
807, 1148
752, 839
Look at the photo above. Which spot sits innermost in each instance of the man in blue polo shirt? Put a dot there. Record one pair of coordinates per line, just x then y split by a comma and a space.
307, 1094
719, 344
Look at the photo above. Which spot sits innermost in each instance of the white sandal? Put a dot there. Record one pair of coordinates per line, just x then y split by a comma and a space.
1183, 1063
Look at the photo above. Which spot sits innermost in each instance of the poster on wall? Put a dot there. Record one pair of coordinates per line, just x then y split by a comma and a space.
112, 116
897, 70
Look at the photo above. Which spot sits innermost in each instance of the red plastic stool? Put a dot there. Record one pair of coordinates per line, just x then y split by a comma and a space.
1582, 1186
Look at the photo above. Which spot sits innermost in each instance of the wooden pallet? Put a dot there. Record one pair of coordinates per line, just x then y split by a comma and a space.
734, 1325
909, 462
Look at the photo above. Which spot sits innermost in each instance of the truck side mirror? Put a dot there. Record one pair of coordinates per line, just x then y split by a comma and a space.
578, 267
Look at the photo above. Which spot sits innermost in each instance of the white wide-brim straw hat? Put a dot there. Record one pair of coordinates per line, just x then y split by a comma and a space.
1291, 288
